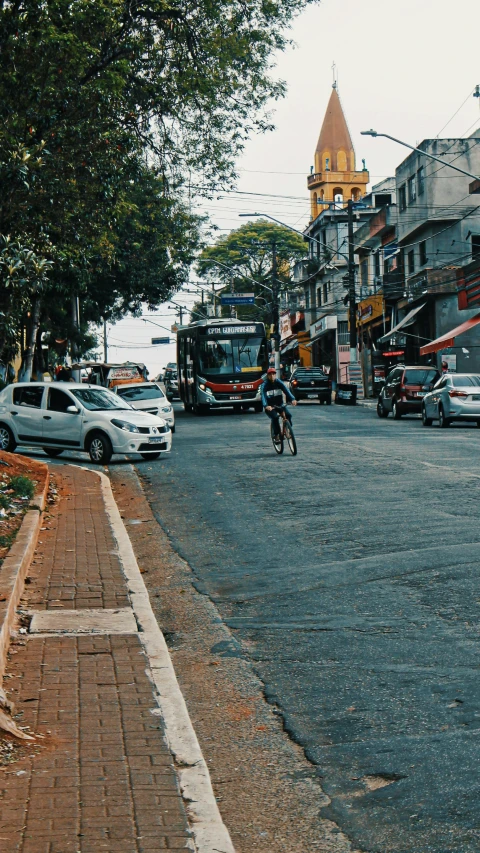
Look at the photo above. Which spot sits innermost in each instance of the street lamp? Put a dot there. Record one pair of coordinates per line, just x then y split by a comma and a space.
425, 153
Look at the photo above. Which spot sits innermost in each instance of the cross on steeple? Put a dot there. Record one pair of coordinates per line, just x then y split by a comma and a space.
334, 70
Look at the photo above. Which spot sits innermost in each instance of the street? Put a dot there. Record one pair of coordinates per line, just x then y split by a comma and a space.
348, 575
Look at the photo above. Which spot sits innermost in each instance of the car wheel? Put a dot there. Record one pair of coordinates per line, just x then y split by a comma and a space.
150, 455
258, 408
329, 401
52, 452
7, 441
99, 448
381, 412
443, 422
396, 411
425, 421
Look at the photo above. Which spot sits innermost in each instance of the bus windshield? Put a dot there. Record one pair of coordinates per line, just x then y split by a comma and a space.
231, 355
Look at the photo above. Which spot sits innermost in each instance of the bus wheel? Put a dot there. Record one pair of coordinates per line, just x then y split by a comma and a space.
258, 408
187, 407
200, 410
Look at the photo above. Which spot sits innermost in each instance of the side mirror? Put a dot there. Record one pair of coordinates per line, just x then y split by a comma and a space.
72, 410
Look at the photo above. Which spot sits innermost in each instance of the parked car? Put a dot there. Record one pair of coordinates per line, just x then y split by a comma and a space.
455, 397
171, 383
148, 397
311, 383
404, 390
74, 416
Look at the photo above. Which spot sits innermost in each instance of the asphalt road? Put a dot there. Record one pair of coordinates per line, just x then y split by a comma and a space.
349, 576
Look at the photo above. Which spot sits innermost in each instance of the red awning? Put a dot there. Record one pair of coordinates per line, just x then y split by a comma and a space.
448, 340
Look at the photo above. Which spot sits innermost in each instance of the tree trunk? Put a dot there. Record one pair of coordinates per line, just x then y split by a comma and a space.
26, 369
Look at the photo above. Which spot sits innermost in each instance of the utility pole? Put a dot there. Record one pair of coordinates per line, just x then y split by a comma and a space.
75, 322
351, 285
180, 311
276, 309
105, 342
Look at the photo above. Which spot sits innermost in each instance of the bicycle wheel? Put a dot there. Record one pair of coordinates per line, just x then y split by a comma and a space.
290, 439
277, 441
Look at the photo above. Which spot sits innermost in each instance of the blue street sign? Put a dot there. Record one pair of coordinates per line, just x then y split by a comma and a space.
237, 298
160, 340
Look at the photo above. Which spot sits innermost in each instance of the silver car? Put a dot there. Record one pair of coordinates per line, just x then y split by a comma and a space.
58, 416
148, 397
455, 397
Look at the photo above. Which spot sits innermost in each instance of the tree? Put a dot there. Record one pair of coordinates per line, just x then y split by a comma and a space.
103, 101
259, 251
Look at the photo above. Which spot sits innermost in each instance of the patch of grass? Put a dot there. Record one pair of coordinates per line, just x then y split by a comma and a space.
7, 541
22, 487
4, 502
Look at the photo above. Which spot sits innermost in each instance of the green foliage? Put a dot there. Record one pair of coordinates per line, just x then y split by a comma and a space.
249, 251
109, 110
22, 487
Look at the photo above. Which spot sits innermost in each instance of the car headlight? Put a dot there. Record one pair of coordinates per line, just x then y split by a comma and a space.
167, 409
125, 426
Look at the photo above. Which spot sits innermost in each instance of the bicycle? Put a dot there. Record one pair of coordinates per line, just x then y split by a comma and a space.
286, 434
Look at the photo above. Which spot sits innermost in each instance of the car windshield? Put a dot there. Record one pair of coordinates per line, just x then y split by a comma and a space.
98, 399
231, 355
419, 377
140, 392
465, 381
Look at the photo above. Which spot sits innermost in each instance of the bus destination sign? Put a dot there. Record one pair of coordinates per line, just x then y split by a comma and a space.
235, 330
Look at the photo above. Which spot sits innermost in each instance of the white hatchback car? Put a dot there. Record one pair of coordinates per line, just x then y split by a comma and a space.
148, 397
67, 415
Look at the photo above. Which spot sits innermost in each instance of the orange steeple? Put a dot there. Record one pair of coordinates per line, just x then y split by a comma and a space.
335, 176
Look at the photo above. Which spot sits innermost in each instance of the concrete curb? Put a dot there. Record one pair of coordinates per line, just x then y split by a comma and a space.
209, 831
15, 568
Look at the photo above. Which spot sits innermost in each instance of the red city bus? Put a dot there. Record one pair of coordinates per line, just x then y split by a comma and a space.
221, 364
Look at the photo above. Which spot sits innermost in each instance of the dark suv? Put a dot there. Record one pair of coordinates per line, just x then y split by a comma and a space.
404, 390
311, 383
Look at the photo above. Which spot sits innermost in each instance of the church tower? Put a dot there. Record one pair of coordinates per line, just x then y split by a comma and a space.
334, 176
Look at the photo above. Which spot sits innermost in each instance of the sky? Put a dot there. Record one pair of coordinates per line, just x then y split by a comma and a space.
404, 67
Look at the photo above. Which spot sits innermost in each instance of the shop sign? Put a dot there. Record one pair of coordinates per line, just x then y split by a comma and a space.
449, 363
369, 309
285, 326
392, 352
327, 322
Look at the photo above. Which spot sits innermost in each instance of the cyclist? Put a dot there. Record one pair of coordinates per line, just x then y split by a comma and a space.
273, 390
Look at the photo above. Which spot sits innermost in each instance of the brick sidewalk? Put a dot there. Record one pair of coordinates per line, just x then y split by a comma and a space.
102, 778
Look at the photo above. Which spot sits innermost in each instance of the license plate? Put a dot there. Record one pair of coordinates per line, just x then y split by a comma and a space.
237, 397
312, 396
421, 393
156, 441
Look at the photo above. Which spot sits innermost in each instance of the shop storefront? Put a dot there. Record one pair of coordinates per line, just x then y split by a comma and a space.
371, 325
325, 349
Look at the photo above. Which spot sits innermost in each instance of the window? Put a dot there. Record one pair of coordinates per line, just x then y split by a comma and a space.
325, 292
343, 333
421, 180
423, 252
140, 392
28, 395
402, 197
475, 245
382, 199
411, 261
376, 264
319, 296
307, 298
99, 399
364, 272
412, 192
58, 401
